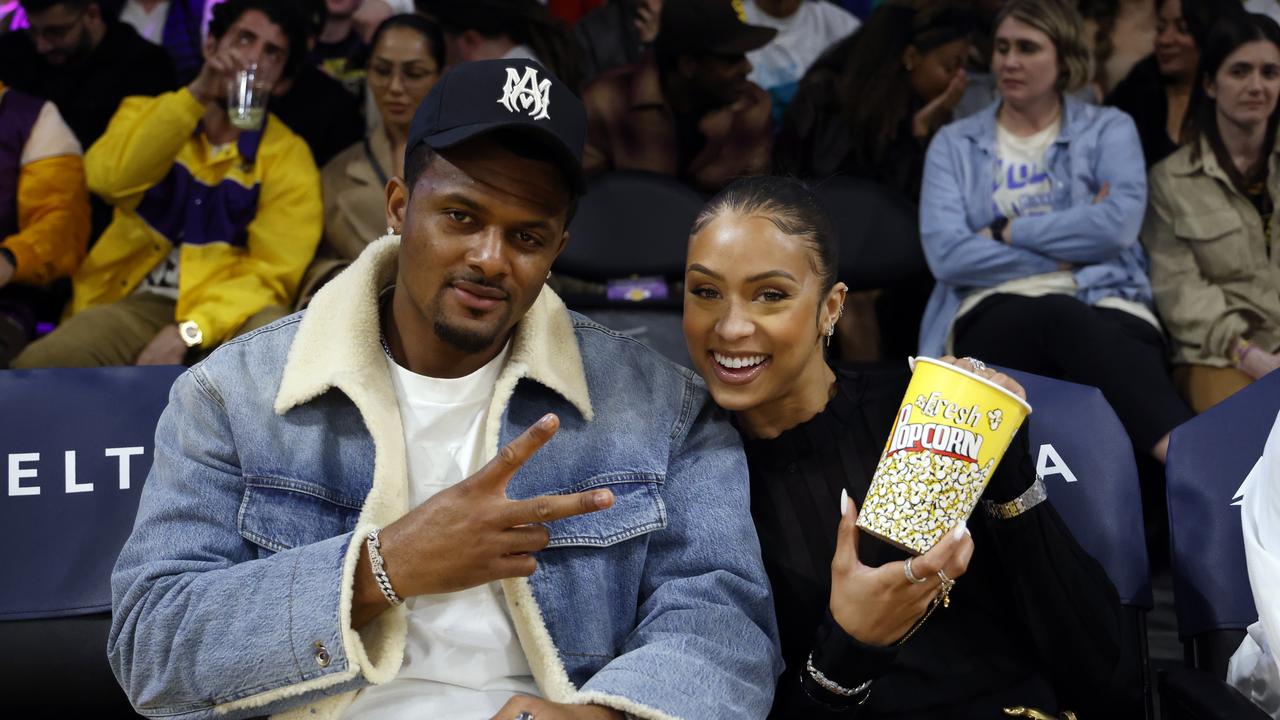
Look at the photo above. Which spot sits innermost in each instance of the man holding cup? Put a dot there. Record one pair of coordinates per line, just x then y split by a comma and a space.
213, 224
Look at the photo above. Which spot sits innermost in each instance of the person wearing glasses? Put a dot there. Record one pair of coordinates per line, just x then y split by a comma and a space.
405, 61
83, 61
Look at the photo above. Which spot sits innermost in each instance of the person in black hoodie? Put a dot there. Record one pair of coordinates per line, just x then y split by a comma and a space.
82, 60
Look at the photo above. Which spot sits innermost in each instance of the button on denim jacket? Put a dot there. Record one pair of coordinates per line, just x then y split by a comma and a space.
1096, 145
232, 597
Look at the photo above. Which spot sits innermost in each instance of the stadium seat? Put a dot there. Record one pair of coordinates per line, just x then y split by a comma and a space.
878, 231
77, 446
1084, 456
629, 225
1209, 457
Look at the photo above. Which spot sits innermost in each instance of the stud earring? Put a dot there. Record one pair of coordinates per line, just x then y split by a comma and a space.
391, 230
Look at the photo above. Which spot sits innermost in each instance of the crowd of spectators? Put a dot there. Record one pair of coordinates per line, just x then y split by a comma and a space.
1096, 181
195, 221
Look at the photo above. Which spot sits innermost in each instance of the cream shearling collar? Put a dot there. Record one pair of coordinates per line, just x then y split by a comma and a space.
337, 342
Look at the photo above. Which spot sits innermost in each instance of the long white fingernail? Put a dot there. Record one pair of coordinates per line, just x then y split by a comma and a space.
844, 503
961, 530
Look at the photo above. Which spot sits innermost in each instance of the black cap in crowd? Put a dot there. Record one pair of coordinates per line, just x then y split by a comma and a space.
475, 98
717, 27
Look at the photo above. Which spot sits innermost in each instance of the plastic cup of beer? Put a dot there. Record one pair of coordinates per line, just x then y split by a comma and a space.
247, 96
951, 430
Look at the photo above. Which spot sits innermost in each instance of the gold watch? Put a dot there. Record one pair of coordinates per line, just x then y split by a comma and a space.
190, 333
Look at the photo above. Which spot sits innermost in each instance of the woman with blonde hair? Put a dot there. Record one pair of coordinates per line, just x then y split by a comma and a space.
1029, 217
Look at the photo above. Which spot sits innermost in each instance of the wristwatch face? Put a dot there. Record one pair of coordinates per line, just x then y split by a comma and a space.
191, 334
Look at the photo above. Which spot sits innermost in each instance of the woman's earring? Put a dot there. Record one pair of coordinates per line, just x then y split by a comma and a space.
391, 230
831, 330
548, 274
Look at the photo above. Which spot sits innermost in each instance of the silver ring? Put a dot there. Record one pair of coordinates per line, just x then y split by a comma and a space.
911, 577
942, 575
978, 365
524, 716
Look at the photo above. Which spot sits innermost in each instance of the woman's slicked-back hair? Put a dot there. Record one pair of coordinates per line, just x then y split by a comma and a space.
1065, 28
791, 205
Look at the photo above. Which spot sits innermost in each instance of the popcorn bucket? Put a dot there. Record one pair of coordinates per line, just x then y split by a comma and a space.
950, 433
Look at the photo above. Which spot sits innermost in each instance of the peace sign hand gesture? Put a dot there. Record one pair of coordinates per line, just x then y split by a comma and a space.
471, 534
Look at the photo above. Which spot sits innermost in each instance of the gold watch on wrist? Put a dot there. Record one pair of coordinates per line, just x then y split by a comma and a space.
190, 333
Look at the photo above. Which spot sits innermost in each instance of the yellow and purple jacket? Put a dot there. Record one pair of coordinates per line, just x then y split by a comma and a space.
44, 206
247, 215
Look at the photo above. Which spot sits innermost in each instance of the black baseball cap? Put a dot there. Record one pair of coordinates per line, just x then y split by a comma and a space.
475, 98
717, 27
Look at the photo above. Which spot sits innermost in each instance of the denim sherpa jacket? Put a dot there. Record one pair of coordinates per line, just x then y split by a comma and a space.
1096, 145
233, 595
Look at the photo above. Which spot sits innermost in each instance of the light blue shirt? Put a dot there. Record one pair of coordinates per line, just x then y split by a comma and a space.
1099, 241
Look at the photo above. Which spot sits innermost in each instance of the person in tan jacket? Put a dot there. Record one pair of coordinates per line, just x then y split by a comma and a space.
1210, 232
405, 61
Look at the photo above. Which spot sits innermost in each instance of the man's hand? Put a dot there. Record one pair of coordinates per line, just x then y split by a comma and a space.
544, 710
648, 13
166, 348
211, 84
471, 534
6, 270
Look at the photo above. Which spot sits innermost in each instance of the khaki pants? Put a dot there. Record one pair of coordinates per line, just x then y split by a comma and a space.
1204, 386
116, 334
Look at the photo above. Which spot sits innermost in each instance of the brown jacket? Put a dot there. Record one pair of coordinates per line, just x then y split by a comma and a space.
1215, 269
630, 126
355, 210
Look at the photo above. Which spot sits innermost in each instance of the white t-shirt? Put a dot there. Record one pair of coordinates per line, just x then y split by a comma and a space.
150, 25
462, 657
1023, 186
813, 28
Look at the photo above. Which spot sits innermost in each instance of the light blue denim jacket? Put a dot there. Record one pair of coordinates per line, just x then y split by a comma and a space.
232, 597
1100, 241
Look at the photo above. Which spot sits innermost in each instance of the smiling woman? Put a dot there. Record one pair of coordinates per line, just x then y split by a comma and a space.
1212, 202
762, 296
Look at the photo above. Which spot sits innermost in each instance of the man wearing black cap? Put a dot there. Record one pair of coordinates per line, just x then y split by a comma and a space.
321, 536
688, 109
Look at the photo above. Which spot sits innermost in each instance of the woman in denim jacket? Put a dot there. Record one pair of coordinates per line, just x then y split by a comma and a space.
1029, 217
1210, 229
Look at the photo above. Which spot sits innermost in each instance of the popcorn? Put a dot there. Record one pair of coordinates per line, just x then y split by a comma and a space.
917, 498
948, 437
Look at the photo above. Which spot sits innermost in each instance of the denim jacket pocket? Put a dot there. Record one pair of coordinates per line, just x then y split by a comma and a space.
279, 513
637, 509
1219, 242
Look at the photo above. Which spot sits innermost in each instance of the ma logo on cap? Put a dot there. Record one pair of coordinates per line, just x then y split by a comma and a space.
526, 93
